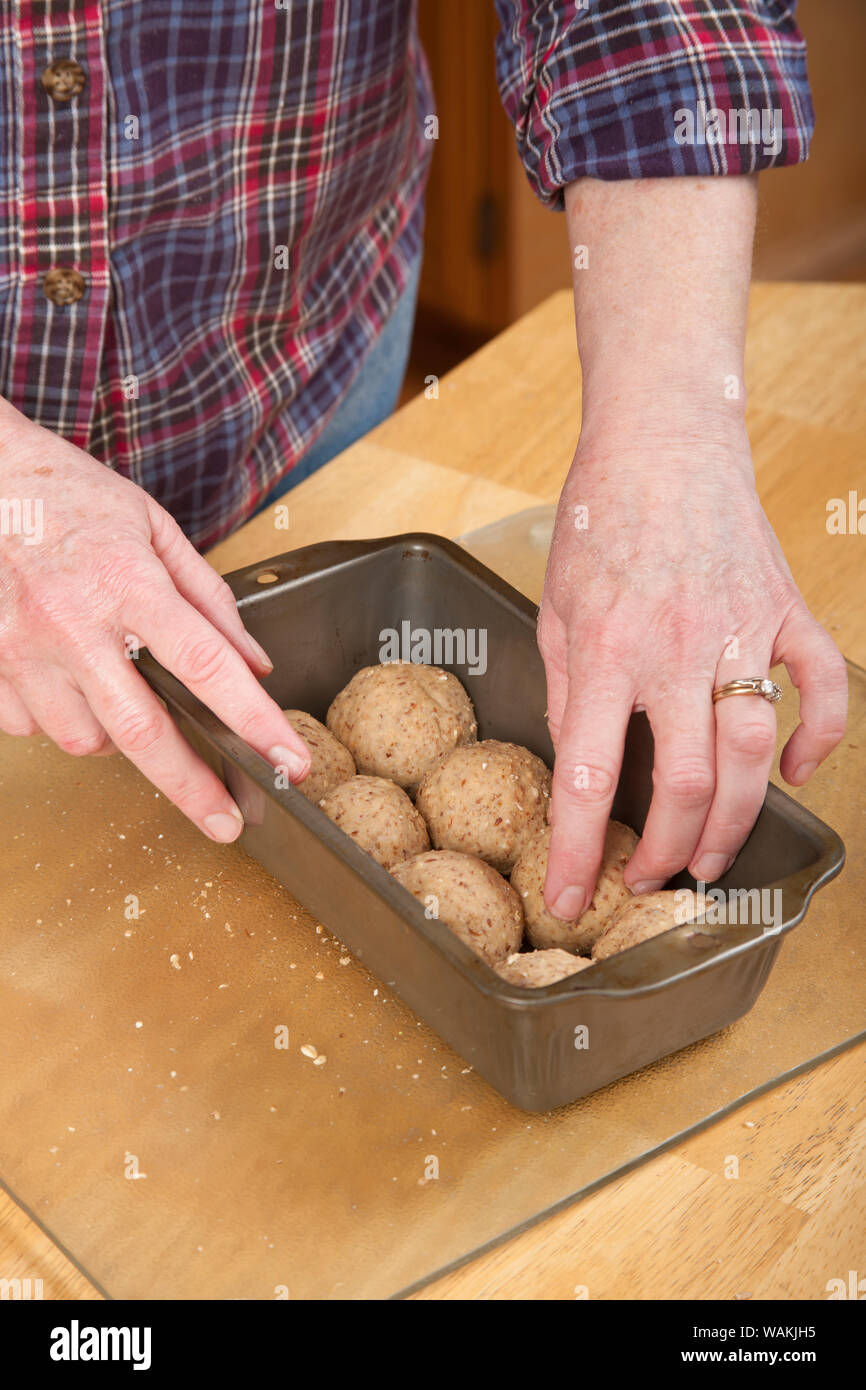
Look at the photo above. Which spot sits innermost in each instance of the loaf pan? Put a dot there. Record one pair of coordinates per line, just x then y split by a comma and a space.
320, 613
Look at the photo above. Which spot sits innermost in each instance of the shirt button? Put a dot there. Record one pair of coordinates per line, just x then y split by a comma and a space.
63, 79
63, 286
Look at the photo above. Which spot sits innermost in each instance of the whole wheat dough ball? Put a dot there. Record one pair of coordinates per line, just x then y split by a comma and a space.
486, 799
544, 930
647, 915
379, 817
536, 968
469, 897
331, 762
398, 719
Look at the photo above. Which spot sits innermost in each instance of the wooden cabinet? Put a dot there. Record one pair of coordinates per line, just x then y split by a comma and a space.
466, 241
492, 250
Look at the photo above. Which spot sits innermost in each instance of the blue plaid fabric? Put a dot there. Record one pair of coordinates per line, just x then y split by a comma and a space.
612, 89
240, 187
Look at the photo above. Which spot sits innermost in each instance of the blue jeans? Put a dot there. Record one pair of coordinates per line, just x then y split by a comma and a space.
370, 399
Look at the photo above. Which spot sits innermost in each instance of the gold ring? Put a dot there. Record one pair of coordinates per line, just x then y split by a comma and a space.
754, 685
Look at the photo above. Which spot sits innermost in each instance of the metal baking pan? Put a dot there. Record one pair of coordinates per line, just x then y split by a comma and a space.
320, 613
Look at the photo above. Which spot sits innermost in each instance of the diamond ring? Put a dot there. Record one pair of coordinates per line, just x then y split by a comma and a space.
754, 685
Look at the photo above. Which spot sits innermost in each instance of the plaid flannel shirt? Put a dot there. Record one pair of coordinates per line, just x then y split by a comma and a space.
237, 192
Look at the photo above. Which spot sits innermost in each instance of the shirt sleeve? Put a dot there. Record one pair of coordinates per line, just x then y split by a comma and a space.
609, 89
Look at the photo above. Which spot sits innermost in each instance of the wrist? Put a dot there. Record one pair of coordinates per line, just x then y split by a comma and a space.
685, 402
648, 382
663, 433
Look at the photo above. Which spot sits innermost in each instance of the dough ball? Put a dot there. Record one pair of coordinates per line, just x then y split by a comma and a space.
398, 719
648, 914
486, 799
379, 817
331, 762
535, 968
470, 898
544, 930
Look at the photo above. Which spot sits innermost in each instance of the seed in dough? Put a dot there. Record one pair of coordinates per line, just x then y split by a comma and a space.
380, 817
398, 719
486, 799
469, 897
648, 915
543, 930
533, 969
331, 762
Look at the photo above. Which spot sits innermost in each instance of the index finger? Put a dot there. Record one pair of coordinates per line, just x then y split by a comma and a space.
200, 584
207, 663
585, 776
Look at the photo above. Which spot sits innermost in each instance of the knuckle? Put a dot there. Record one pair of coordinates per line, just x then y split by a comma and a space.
687, 783
658, 865
585, 782
136, 731
829, 679
185, 792
224, 595
254, 727
202, 659
732, 829
82, 745
753, 740
23, 727
165, 531
831, 685
830, 731
47, 605
115, 573
678, 625
605, 644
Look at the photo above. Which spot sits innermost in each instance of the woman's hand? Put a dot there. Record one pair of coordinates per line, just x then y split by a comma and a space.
104, 565
665, 579
671, 582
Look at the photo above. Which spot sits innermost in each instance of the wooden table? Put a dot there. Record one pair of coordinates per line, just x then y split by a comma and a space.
499, 438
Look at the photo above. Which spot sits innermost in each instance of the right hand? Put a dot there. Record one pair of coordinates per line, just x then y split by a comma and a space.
111, 565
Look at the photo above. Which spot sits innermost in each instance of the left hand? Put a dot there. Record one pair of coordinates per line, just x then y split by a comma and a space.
676, 585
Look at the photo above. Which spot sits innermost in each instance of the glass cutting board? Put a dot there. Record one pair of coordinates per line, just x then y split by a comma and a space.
153, 1121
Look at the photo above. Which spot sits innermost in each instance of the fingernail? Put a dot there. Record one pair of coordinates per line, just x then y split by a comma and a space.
259, 653
295, 766
803, 773
711, 866
569, 904
650, 885
224, 826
